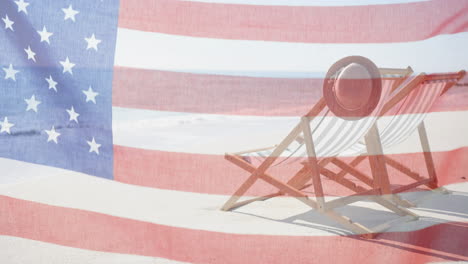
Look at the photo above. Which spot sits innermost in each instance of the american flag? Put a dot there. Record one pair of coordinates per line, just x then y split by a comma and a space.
115, 116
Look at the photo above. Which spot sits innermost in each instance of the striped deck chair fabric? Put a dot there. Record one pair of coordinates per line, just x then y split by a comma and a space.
333, 135
407, 115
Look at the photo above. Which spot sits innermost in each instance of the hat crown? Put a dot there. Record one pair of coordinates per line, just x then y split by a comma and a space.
353, 87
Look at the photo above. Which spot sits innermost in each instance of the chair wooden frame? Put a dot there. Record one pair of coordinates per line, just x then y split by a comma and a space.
313, 168
431, 180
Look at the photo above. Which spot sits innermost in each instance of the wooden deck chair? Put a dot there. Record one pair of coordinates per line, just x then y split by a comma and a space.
410, 104
331, 135
408, 116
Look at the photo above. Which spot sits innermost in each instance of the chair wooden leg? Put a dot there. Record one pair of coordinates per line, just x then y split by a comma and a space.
354, 172
300, 178
257, 199
349, 224
419, 180
239, 192
377, 161
358, 189
256, 172
353, 164
298, 181
313, 163
303, 176
379, 167
392, 207
343, 220
231, 203
403, 169
428, 156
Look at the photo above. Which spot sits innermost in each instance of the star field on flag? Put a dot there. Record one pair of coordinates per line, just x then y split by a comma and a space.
55, 57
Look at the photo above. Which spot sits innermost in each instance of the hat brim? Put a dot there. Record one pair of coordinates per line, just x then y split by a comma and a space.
330, 81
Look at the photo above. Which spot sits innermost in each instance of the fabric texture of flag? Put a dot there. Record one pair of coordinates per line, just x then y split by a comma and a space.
115, 117
57, 90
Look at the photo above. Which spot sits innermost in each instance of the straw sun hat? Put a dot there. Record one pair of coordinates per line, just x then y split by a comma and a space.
352, 87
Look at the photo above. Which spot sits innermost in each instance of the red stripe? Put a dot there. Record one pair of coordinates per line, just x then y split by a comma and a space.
212, 174
95, 231
236, 95
348, 24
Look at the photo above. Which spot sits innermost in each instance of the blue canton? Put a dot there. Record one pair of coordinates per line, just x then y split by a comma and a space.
56, 66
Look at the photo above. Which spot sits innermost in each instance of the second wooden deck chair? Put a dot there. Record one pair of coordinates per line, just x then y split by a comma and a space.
331, 135
407, 116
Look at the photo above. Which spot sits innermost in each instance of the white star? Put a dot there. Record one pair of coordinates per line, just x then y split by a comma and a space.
90, 95
67, 66
45, 35
92, 42
22, 6
32, 103
10, 73
52, 83
30, 53
5, 126
8, 23
53, 135
73, 115
70, 13
93, 146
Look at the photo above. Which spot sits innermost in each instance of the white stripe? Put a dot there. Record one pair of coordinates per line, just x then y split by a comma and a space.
151, 50
15, 250
218, 134
202, 211
309, 2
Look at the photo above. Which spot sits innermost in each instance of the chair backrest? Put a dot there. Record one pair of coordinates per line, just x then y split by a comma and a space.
409, 114
333, 134
415, 99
